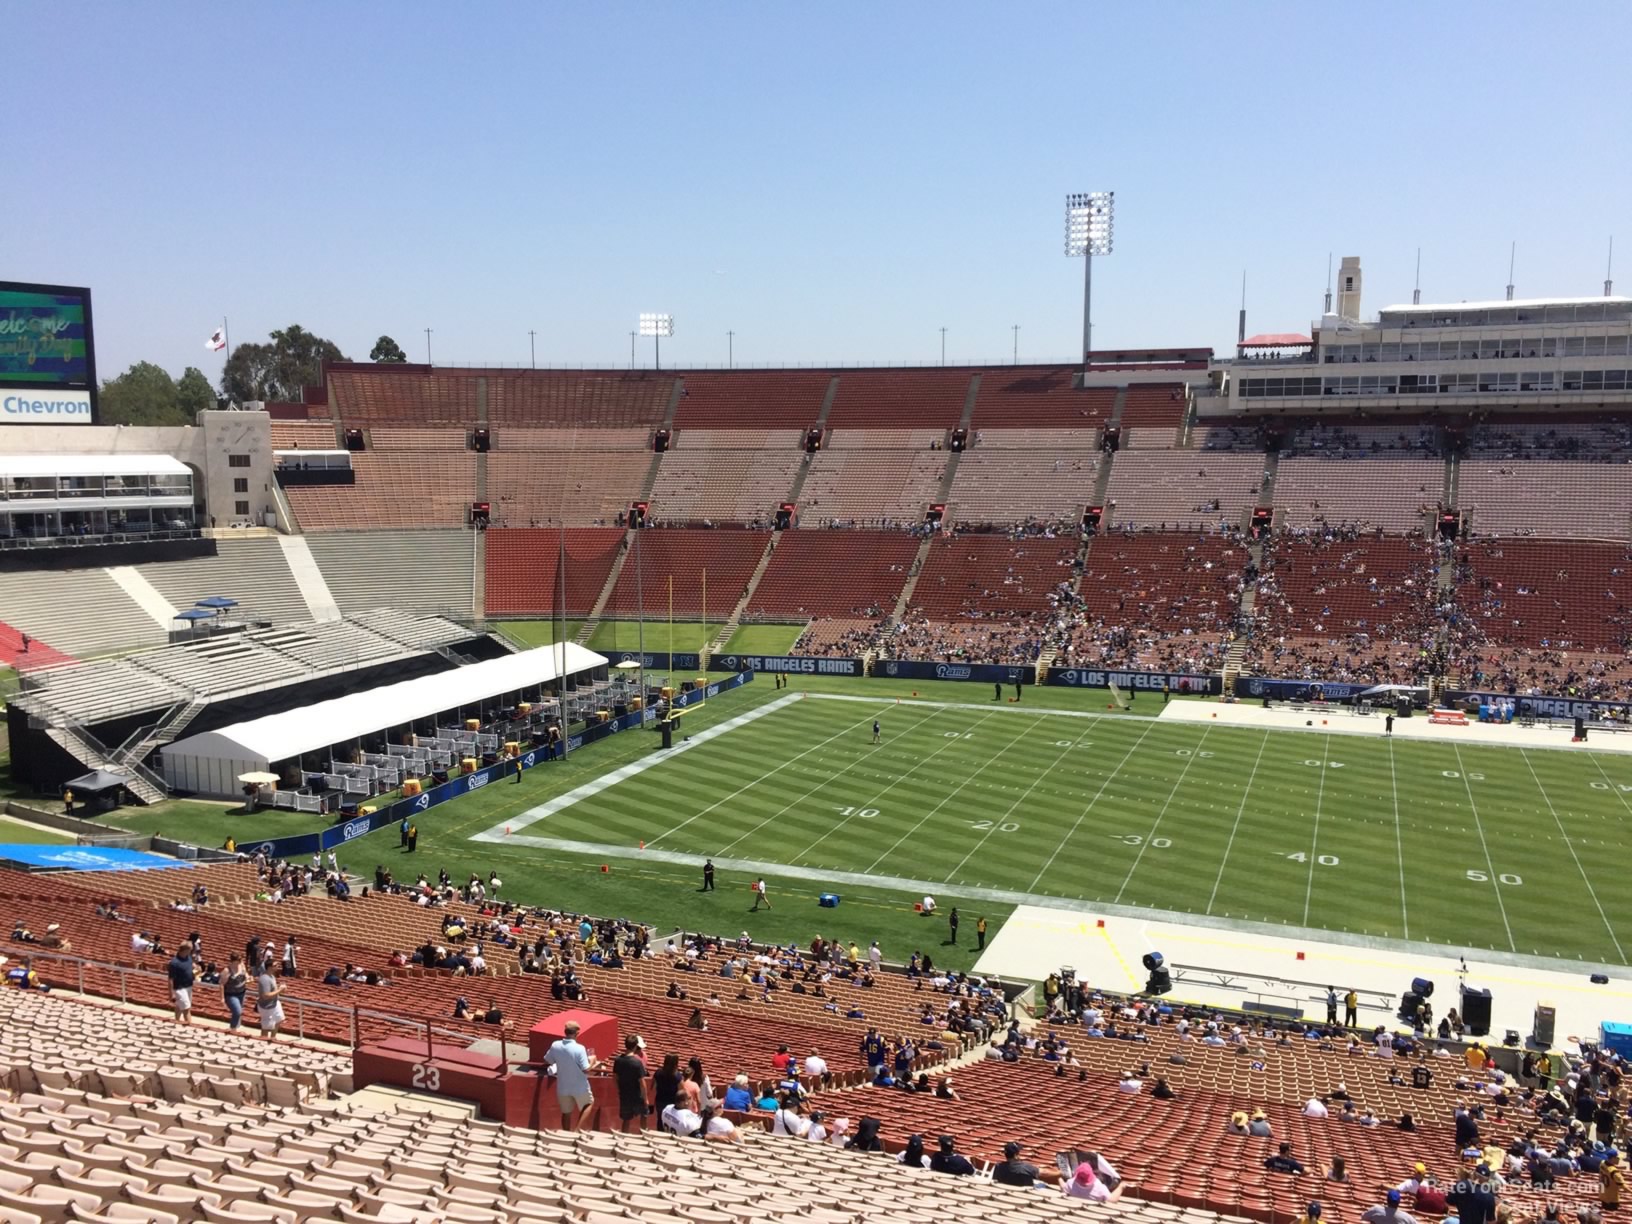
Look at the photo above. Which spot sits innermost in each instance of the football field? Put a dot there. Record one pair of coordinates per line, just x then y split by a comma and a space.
1475, 847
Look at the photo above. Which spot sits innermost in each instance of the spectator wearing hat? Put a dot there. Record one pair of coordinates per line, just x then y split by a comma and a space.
1085, 1184
181, 983
1011, 1170
1312, 1214
949, 1160
913, 1155
1258, 1125
1388, 1213
1473, 1199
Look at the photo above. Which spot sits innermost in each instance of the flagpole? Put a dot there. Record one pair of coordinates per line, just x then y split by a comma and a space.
226, 337
671, 628
705, 605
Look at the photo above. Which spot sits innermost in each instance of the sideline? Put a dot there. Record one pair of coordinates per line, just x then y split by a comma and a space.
1071, 905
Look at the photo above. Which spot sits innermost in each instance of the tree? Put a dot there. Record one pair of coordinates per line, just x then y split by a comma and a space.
276, 372
194, 393
142, 395
387, 349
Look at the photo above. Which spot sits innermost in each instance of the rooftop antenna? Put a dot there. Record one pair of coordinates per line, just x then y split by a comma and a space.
1241, 319
1512, 255
1328, 307
1416, 290
1609, 270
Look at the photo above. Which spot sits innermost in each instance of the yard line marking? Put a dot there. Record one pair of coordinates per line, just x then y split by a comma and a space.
873, 802
1083, 815
1314, 845
1495, 880
1064, 752
1591, 892
1238, 813
1195, 754
1399, 841
750, 786
607, 780
953, 795
826, 781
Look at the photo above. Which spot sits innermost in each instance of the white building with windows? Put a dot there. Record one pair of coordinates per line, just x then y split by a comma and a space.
1551, 353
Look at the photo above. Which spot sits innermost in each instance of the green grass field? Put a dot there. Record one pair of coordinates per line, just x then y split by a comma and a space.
1472, 847
1059, 801
688, 636
33, 835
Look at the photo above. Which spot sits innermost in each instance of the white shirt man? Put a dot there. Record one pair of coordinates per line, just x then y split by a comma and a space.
817, 1132
680, 1121
815, 1065
929, 905
875, 954
1130, 1084
788, 1122
140, 943
334, 862
1315, 1108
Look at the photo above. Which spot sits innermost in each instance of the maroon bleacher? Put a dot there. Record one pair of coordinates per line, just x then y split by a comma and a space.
899, 399
1559, 594
1019, 396
587, 398
411, 394
833, 573
985, 575
1154, 405
522, 573
729, 558
752, 399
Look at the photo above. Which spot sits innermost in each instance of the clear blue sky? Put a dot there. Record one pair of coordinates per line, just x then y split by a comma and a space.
834, 181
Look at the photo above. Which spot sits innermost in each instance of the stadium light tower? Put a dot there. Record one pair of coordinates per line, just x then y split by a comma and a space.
1089, 227
657, 326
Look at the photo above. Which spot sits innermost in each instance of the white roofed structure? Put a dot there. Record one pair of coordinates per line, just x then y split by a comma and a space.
51, 467
210, 762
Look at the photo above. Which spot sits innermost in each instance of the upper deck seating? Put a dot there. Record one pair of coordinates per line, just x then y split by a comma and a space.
1363, 491
1025, 397
1183, 488
899, 399
870, 488
752, 399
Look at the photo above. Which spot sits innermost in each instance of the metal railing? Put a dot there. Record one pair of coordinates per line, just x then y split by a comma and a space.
1266, 987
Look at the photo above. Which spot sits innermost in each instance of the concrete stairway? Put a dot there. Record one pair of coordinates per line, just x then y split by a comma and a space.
726, 630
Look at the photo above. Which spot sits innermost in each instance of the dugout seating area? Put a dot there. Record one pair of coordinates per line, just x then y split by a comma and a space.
522, 574
728, 557
825, 573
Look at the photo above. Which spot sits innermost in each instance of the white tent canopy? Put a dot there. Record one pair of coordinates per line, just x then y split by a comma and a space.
53, 466
260, 742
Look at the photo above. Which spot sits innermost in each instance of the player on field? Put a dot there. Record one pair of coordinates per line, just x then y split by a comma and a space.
875, 731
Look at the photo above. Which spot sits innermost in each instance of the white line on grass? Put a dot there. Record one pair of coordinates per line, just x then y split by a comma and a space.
1234, 827
1178, 782
1399, 839
1314, 845
596, 785
873, 802
1591, 892
996, 824
750, 786
952, 795
1495, 880
1083, 815
826, 781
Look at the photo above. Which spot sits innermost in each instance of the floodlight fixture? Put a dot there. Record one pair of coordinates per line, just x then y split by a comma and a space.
656, 326
1090, 229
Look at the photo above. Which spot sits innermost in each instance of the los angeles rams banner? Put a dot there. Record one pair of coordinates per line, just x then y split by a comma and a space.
802, 665
1539, 707
1297, 690
984, 673
675, 662
1141, 681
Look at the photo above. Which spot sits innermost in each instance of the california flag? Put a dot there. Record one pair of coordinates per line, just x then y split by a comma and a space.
217, 340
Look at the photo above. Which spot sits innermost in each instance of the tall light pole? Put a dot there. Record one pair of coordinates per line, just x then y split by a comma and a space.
656, 326
1016, 330
427, 346
532, 348
943, 346
632, 336
1089, 224
730, 349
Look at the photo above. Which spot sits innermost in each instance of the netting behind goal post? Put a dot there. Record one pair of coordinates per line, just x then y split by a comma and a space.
1118, 696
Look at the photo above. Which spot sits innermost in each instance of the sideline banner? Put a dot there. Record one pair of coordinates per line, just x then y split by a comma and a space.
804, 665
1540, 707
984, 673
1143, 681
673, 662
1297, 690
